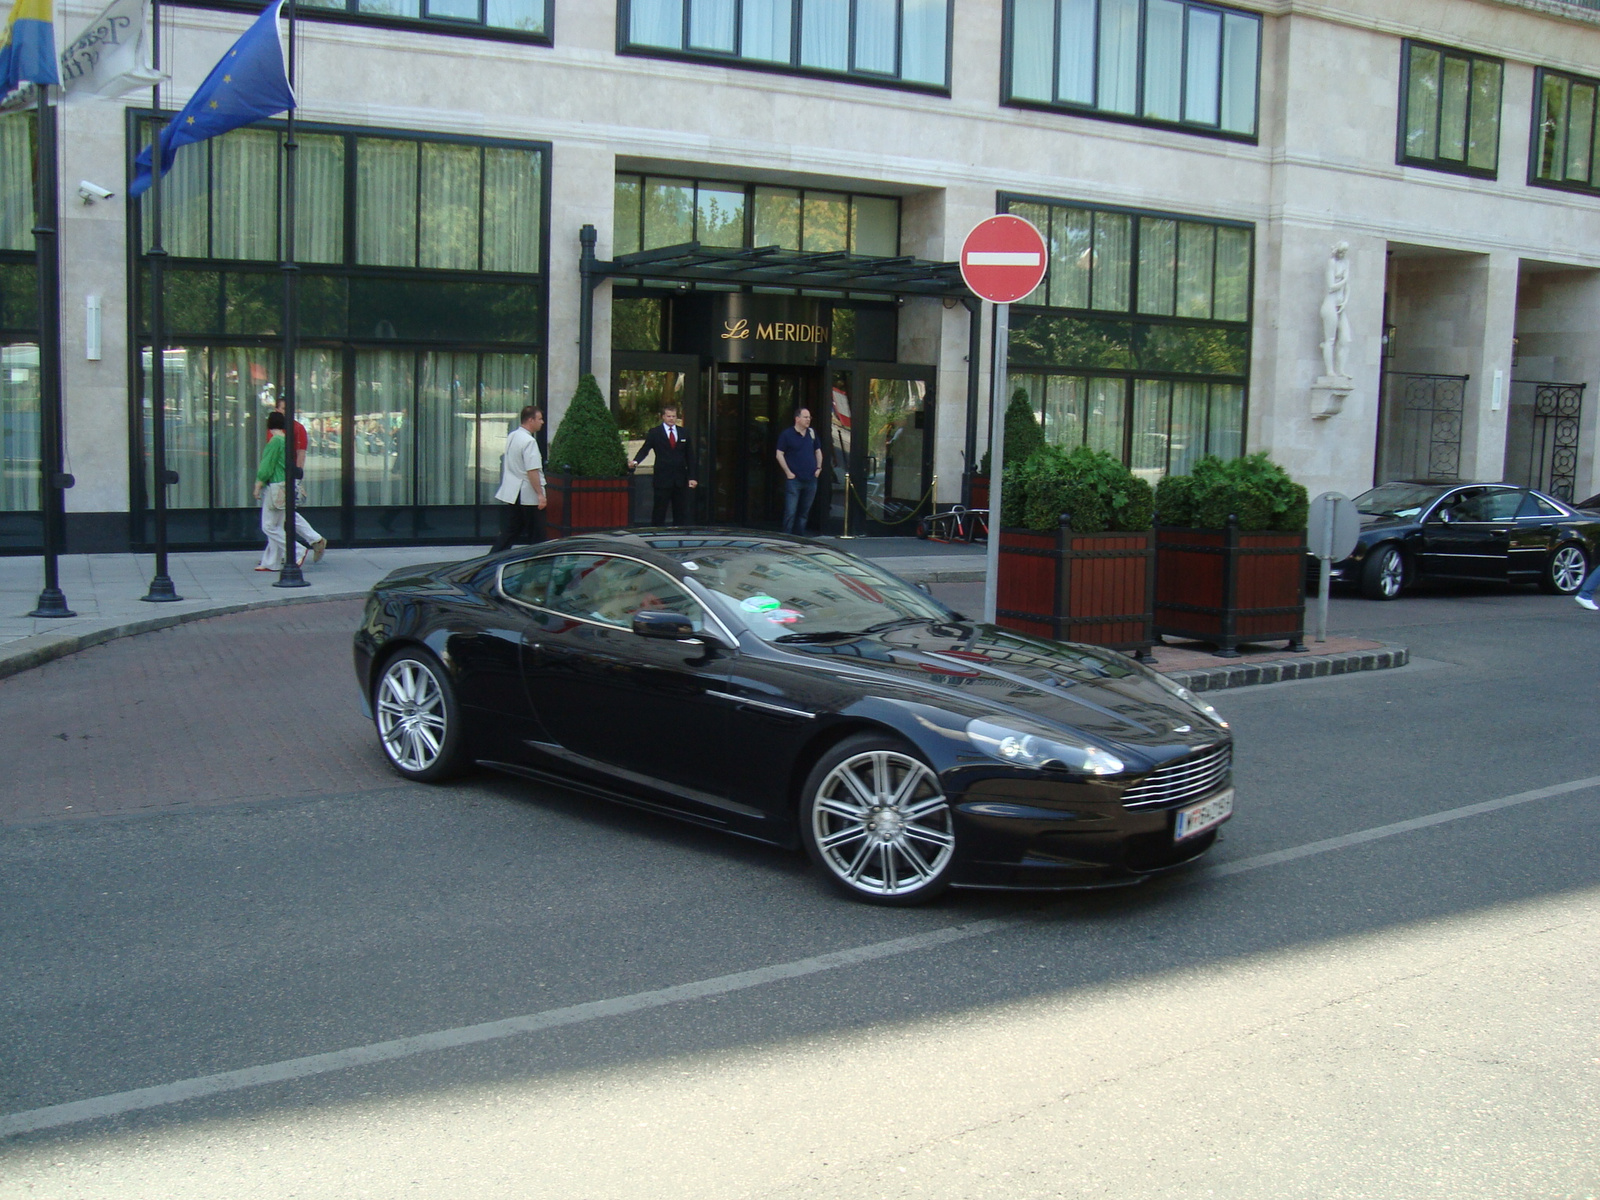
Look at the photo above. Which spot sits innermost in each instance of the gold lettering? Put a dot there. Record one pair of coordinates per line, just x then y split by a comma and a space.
764, 333
735, 330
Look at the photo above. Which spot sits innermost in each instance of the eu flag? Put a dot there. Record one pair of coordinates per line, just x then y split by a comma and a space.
248, 84
28, 46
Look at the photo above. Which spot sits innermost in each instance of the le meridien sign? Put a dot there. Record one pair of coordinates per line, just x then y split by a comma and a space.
1003, 259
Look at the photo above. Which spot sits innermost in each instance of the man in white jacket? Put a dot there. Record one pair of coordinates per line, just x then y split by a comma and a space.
521, 484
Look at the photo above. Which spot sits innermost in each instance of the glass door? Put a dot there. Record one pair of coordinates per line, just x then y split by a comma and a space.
641, 386
751, 406
882, 436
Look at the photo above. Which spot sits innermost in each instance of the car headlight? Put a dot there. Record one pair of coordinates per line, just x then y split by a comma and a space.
1193, 701
1034, 750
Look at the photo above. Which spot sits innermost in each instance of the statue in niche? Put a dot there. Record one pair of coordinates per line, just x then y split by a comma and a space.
1335, 324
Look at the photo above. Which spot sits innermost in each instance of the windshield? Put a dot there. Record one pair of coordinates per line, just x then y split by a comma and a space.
1399, 499
801, 594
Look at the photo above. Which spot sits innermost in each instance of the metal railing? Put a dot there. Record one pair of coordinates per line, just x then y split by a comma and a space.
1419, 426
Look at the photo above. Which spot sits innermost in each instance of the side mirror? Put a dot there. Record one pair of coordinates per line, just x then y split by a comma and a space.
1445, 515
655, 623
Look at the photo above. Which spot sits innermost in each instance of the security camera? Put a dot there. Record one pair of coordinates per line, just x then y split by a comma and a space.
93, 191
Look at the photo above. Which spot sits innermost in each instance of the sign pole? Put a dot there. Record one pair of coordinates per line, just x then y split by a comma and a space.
290, 576
997, 459
1327, 574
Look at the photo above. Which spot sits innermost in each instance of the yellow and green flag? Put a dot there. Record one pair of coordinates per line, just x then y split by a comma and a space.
28, 46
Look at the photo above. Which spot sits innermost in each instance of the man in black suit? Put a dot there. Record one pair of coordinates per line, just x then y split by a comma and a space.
674, 473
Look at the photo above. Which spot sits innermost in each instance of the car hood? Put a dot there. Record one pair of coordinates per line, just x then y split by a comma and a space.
981, 670
1375, 521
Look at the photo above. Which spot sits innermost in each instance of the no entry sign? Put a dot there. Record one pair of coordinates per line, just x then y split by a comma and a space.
1003, 259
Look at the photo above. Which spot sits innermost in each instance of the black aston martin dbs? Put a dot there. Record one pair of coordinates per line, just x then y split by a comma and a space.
780, 689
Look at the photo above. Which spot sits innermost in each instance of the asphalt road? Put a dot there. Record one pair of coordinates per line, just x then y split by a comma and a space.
1333, 1007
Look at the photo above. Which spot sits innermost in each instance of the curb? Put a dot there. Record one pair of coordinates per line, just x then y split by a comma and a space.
26, 653
1317, 666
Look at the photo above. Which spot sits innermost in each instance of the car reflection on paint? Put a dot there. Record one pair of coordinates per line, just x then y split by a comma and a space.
782, 690
1479, 531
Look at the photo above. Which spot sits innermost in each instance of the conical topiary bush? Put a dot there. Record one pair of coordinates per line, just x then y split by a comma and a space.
1024, 434
587, 442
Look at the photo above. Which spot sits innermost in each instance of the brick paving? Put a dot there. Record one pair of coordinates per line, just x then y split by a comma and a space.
254, 705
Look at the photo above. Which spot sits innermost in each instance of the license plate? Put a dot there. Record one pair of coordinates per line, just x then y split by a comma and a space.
1198, 818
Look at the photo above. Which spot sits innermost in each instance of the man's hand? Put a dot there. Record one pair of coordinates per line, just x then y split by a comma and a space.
632, 464
541, 500
694, 483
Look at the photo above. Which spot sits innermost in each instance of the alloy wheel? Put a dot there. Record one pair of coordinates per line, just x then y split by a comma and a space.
411, 715
1567, 569
882, 824
1391, 574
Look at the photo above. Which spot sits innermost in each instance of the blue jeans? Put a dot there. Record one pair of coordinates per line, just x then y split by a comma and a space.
797, 497
1590, 584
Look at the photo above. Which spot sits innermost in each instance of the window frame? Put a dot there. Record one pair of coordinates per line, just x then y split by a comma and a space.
628, 49
1436, 163
1563, 184
449, 26
1066, 108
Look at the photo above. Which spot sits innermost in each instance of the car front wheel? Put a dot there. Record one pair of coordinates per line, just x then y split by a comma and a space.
1384, 575
874, 818
1564, 571
419, 722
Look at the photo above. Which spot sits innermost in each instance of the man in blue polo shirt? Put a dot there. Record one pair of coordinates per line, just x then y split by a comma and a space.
800, 457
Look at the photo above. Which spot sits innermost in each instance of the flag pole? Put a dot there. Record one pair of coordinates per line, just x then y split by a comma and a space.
161, 590
52, 479
291, 576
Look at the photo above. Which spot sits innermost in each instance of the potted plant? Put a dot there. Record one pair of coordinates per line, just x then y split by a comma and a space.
587, 473
1230, 554
1024, 438
1077, 556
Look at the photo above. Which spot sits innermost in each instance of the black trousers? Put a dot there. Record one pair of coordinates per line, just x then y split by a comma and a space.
519, 522
673, 495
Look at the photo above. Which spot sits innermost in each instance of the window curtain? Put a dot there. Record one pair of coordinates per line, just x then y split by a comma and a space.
1107, 402
1113, 261
319, 199
244, 195
384, 427
765, 30
1163, 59
1070, 255
386, 202
1202, 66
875, 36
1064, 402
1422, 103
185, 197
319, 406
825, 34
1240, 58
656, 23
512, 195
19, 427
510, 381
1152, 412
452, 197
16, 182
711, 25
1076, 82
922, 37
1190, 406
1158, 251
244, 387
1196, 247
1032, 32
1119, 56
1226, 438
1039, 216
1233, 275
1580, 129
1483, 136
447, 426
1454, 94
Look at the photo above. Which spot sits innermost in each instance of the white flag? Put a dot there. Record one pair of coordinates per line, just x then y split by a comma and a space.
111, 57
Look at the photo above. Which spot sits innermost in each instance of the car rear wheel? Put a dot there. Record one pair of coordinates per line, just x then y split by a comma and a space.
874, 818
418, 719
1384, 575
1564, 571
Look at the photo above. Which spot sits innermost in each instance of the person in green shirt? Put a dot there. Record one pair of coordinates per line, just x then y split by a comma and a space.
271, 482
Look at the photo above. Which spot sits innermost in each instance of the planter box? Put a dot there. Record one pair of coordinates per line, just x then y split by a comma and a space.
580, 504
979, 485
1226, 587
1079, 587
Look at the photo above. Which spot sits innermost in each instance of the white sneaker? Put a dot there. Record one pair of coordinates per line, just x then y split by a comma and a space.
1587, 603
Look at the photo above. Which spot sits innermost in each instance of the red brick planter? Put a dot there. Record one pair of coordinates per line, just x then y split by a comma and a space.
1078, 587
1226, 587
582, 504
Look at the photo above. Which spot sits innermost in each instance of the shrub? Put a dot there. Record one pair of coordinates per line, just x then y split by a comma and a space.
1255, 489
1095, 490
1024, 435
588, 440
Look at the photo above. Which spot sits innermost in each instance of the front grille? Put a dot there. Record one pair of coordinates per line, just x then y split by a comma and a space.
1188, 779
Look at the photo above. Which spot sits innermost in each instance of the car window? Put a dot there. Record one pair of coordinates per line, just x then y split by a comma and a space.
1491, 504
599, 587
1398, 499
528, 580
1535, 505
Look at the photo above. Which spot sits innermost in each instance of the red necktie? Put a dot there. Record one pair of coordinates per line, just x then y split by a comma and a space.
672, 437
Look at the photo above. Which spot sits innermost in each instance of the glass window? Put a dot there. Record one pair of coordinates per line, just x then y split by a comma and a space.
507, 383
244, 169
447, 429
827, 222
1198, 62
719, 215
875, 226
528, 580
610, 590
1450, 118
513, 195
319, 200
452, 198
519, 16
1158, 253
386, 202
385, 427
777, 218
16, 181
1196, 250
1070, 257
19, 427
625, 215
1567, 134
892, 39
668, 212
1113, 249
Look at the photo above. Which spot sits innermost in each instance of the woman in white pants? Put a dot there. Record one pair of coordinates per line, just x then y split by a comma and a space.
271, 477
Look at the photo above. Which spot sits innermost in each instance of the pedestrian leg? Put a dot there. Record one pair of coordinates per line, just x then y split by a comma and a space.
272, 526
802, 512
510, 525
791, 501
1586, 591
660, 500
305, 534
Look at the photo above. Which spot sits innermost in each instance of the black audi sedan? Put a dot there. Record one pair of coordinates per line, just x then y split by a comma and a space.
1484, 531
782, 690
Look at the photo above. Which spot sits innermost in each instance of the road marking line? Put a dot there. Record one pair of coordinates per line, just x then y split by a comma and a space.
357, 1056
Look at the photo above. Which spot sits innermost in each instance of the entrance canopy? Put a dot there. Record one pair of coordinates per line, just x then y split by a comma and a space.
771, 266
